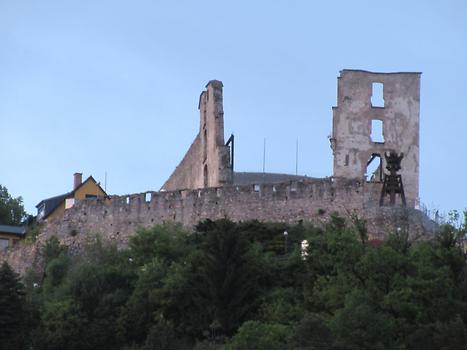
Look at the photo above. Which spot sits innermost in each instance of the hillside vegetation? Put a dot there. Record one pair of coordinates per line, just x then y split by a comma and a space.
243, 286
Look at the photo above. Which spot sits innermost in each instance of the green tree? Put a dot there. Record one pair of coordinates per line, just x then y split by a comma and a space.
11, 209
166, 242
228, 273
63, 326
52, 249
12, 309
311, 333
160, 257
254, 335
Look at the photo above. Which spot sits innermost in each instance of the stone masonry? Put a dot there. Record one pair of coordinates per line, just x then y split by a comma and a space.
206, 164
203, 185
356, 116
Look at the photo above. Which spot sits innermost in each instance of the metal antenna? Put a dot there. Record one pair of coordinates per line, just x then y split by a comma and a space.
264, 156
296, 158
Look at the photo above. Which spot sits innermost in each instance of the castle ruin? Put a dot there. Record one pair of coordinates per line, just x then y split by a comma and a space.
364, 129
205, 185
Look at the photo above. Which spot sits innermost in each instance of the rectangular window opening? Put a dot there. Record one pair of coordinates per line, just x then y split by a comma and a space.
377, 95
147, 197
346, 163
4, 243
377, 131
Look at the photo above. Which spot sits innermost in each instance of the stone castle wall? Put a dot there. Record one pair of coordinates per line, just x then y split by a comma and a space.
201, 187
294, 201
286, 202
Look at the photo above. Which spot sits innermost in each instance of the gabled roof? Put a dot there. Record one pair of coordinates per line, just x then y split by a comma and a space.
14, 230
50, 204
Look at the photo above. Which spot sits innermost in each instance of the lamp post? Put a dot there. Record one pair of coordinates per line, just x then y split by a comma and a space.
285, 241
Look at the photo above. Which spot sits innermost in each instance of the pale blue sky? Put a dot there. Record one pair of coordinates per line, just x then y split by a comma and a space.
113, 86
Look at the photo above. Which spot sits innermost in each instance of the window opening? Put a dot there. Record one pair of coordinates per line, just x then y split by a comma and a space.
377, 131
377, 95
4, 243
205, 175
205, 145
147, 197
374, 168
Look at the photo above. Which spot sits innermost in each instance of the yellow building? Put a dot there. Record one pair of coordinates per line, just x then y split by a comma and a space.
10, 235
52, 208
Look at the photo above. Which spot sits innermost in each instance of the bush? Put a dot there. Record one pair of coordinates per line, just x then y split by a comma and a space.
254, 335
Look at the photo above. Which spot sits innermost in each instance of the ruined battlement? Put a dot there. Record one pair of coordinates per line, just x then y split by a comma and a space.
287, 202
309, 201
205, 186
292, 202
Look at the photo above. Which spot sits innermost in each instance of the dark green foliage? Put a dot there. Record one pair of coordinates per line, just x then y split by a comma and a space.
63, 326
52, 249
312, 333
166, 242
228, 278
13, 325
162, 336
255, 335
11, 209
243, 286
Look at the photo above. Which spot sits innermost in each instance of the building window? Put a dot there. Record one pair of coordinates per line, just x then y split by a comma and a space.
69, 203
374, 168
377, 131
147, 197
4, 243
377, 95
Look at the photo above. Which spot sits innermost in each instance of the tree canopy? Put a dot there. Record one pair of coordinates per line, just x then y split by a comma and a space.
243, 286
11, 209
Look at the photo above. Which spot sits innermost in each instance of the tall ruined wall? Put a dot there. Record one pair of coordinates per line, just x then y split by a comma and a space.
187, 173
207, 162
354, 140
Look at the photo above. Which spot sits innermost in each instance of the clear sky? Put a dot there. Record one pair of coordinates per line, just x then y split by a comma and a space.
112, 86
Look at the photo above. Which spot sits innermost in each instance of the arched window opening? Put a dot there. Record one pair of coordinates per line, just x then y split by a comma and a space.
374, 168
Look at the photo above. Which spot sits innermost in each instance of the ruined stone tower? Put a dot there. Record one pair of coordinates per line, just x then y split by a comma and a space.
207, 162
366, 125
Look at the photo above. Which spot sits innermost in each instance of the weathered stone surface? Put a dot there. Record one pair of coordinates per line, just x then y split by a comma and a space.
202, 186
307, 201
207, 162
351, 139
